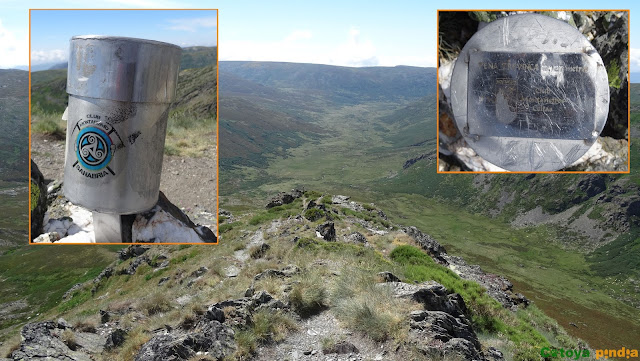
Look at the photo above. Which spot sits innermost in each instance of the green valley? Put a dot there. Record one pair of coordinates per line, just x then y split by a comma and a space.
383, 151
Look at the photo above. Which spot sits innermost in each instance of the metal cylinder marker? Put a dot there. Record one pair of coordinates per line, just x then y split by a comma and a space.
120, 90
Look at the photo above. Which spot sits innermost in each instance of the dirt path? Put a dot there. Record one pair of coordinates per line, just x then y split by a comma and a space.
189, 183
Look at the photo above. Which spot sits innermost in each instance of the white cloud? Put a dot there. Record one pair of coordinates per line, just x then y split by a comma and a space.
298, 35
14, 51
634, 58
193, 24
355, 51
300, 46
150, 4
297, 47
50, 56
294, 47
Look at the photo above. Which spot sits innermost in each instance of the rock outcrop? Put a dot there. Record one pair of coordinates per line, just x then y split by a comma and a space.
283, 198
497, 287
57, 340
208, 337
38, 200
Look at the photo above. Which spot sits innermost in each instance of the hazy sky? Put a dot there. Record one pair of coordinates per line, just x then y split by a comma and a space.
351, 33
52, 29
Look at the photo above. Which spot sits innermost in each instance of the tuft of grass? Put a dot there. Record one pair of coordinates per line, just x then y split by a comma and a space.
308, 297
189, 135
312, 194
269, 326
135, 339
246, 344
327, 200
69, 339
327, 343
49, 124
13, 346
279, 212
223, 228
257, 251
368, 309
35, 195
157, 302
85, 326
313, 214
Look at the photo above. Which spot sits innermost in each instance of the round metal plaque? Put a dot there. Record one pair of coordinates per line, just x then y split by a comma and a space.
530, 93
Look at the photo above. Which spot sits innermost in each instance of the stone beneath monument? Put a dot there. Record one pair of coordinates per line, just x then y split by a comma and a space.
529, 93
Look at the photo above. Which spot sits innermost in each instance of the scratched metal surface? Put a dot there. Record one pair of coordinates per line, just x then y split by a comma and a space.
529, 93
123, 69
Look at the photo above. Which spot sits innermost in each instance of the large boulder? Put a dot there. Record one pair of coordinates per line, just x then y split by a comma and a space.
327, 231
283, 198
209, 337
435, 249
437, 332
51, 340
38, 200
431, 295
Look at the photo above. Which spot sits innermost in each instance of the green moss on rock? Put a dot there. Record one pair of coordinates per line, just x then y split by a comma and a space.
35, 195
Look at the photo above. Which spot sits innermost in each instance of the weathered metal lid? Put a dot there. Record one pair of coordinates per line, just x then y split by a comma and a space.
529, 93
123, 69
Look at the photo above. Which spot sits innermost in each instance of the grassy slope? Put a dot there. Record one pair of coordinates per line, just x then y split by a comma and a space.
40, 275
13, 156
198, 57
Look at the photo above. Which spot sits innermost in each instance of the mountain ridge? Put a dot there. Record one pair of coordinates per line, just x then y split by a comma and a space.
307, 259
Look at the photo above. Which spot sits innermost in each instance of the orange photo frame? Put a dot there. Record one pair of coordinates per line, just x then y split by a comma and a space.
217, 220
521, 172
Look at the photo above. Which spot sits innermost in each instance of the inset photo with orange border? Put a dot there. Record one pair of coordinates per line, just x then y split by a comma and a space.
123, 126
533, 91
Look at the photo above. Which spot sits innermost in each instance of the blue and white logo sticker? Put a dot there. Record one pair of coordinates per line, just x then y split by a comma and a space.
93, 148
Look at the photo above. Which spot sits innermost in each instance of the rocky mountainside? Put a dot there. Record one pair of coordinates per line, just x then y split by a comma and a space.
14, 117
309, 277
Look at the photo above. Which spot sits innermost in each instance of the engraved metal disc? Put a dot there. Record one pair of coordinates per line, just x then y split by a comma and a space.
530, 93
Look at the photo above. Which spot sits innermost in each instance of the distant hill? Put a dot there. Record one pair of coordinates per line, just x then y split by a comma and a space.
634, 77
48, 90
59, 66
342, 84
192, 57
198, 57
14, 120
268, 108
196, 93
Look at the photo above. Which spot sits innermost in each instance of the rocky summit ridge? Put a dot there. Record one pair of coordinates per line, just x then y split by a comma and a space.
310, 277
